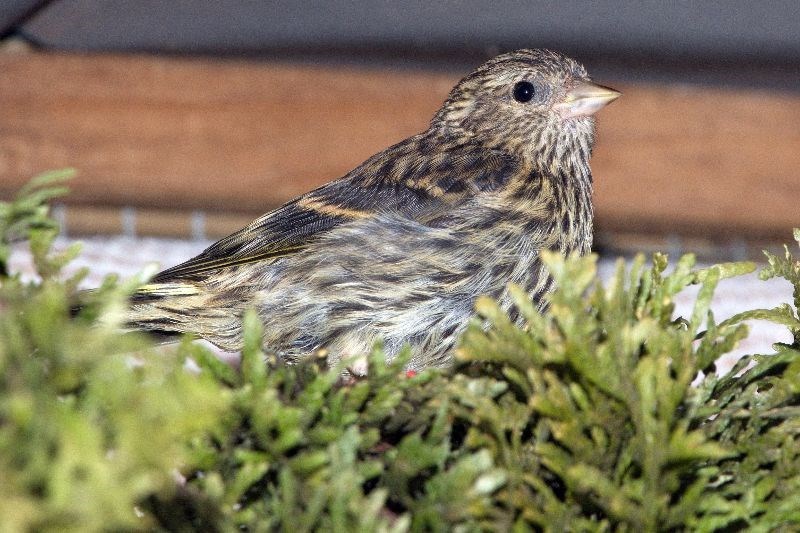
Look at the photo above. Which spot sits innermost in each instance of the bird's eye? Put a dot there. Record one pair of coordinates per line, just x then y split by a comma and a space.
524, 91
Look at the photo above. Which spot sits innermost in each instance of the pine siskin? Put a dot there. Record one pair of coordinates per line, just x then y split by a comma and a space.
400, 247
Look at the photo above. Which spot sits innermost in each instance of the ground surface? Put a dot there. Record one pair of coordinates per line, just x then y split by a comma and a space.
126, 256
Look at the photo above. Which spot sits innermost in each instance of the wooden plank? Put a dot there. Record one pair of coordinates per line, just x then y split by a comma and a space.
80, 220
245, 136
699, 161
199, 134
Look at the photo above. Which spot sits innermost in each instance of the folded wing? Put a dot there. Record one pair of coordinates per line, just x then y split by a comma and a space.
419, 178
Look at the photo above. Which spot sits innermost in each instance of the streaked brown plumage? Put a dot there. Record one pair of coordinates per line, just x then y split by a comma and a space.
400, 247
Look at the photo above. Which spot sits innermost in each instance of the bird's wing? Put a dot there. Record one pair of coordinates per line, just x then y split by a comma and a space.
411, 179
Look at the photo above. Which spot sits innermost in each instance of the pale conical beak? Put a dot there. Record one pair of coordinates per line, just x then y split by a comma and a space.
585, 98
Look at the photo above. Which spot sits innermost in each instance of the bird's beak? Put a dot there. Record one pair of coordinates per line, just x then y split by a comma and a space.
585, 98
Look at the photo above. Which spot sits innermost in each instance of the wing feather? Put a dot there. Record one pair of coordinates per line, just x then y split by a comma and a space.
404, 179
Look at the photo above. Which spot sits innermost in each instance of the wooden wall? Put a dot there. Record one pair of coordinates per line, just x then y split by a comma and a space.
232, 139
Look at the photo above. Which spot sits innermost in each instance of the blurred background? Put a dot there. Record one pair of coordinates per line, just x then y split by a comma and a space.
187, 119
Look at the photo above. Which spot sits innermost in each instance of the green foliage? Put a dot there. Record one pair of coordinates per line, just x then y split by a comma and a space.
616, 433
603, 413
85, 433
27, 217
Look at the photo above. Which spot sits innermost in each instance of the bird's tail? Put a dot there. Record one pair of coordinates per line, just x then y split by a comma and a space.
170, 309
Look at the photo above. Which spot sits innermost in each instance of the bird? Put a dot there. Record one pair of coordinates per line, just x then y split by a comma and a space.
398, 250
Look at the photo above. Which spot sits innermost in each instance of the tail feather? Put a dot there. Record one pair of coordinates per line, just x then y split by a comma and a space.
153, 328
170, 309
158, 291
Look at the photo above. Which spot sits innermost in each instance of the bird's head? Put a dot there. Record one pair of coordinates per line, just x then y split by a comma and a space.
534, 104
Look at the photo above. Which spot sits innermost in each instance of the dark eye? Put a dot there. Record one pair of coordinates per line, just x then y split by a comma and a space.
524, 91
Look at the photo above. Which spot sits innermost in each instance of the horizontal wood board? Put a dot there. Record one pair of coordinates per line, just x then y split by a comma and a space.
213, 135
